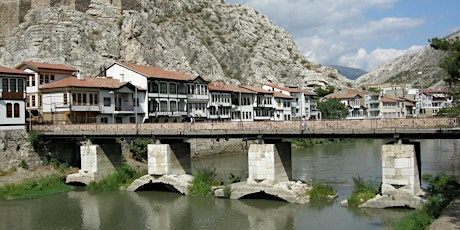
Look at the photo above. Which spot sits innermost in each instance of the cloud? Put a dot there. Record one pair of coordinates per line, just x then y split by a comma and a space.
363, 60
339, 32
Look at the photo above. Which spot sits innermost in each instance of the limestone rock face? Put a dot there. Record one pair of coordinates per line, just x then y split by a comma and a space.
15, 148
210, 38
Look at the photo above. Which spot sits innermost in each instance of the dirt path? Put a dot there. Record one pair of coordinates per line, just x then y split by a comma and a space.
450, 217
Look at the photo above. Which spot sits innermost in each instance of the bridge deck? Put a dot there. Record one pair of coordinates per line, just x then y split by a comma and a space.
421, 128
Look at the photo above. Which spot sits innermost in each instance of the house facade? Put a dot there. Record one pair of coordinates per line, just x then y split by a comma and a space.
263, 103
171, 96
12, 98
43, 74
392, 107
430, 101
92, 100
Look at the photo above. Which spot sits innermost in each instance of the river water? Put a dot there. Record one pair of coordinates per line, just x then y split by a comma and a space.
333, 164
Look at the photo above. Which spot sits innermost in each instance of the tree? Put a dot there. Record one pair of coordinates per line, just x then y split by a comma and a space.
323, 92
450, 63
332, 109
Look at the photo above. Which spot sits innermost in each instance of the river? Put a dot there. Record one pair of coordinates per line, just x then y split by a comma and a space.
333, 164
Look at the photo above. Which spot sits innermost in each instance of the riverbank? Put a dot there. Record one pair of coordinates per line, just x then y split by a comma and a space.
20, 174
450, 217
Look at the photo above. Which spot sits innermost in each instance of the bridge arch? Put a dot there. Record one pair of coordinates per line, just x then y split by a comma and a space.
173, 183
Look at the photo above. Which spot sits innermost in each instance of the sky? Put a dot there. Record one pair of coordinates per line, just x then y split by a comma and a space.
361, 34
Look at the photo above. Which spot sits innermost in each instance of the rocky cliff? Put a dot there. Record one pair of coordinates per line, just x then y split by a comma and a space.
421, 69
215, 40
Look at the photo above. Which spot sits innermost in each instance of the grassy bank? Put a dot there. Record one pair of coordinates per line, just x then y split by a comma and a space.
33, 188
121, 179
442, 189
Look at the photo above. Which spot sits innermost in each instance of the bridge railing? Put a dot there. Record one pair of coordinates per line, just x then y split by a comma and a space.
324, 125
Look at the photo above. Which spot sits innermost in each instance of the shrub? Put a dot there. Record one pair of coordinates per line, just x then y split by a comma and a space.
234, 179
363, 191
321, 192
227, 191
414, 220
138, 148
23, 164
202, 182
35, 138
123, 177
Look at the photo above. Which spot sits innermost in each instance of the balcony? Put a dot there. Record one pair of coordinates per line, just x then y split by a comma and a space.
12, 95
85, 108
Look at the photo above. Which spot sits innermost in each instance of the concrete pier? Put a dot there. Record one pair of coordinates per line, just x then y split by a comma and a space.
169, 163
401, 176
97, 162
270, 172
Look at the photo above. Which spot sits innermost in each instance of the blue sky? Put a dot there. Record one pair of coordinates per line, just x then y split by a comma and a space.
360, 33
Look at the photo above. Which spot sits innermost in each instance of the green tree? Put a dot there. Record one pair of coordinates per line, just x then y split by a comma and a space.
332, 109
323, 92
138, 148
450, 63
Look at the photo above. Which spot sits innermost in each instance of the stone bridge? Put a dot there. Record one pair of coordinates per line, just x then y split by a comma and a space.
269, 159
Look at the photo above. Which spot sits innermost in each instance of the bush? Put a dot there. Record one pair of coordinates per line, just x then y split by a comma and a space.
363, 191
35, 138
202, 182
321, 192
227, 191
416, 220
138, 148
123, 177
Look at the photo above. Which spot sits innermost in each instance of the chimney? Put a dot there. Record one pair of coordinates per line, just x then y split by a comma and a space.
79, 76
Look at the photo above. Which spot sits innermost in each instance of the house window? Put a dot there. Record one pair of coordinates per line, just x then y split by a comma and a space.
33, 101
28, 101
107, 101
12, 85
16, 110
172, 88
104, 120
39, 100
155, 87
163, 106
173, 106
9, 110
163, 87
64, 99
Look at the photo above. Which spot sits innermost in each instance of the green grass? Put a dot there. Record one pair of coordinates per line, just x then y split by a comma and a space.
363, 191
416, 220
122, 178
202, 182
321, 192
33, 188
442, 189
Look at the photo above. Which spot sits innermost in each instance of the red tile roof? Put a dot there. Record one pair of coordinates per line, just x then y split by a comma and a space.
257, 89
287, 89
220, 86
282, 95
87, 82
155, 72
13, 71
37, 66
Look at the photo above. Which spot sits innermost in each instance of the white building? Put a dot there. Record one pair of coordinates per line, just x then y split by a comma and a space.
92, 100
430, 101
171, 96
43, 74
12, 98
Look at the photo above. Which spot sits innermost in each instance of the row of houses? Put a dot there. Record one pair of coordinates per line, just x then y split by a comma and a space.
393, 102
127, 93
35, 92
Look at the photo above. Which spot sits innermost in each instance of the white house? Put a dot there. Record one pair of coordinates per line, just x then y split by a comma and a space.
43, 74
12, 98
171, 96
92, 100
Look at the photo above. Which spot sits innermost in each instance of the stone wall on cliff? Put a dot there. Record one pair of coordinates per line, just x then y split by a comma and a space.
15, 148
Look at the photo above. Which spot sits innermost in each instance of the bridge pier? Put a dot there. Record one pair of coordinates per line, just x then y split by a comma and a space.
169, 163
270, 172
97, 161
401, 176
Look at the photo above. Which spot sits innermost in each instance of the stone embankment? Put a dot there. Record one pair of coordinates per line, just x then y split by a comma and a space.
16, 150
